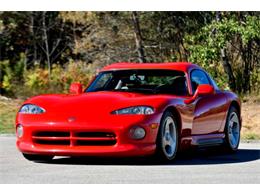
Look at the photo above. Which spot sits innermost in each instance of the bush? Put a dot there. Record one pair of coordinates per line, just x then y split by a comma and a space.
37, 81
12, 75
16, 81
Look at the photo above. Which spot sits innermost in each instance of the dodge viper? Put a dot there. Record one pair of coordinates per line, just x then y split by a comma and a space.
131, 109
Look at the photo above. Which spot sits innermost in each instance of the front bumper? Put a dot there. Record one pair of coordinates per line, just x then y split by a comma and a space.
124, 145
117, 150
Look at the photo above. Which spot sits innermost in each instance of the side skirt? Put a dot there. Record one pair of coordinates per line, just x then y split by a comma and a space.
208, 140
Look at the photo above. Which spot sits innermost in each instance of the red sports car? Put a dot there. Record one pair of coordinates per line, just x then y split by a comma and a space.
131, 110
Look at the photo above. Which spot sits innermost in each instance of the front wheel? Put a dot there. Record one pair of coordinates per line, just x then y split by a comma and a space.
167, 139
232, 130
39, 158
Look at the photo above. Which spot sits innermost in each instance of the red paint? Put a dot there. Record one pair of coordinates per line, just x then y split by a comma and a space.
75, 88
202, 90
70, 116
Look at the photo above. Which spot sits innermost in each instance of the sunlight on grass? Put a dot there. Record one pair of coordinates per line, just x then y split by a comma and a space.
250, 136
7, 115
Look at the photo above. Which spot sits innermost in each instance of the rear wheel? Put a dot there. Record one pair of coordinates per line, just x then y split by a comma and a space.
167, 139
232, 130
39, 158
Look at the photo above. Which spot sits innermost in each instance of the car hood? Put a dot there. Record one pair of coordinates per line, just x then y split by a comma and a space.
96, 102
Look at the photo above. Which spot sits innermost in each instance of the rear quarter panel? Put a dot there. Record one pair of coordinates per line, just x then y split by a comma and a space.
232, 99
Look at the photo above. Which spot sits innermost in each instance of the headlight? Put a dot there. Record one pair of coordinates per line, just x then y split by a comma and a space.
146, 110
31, 109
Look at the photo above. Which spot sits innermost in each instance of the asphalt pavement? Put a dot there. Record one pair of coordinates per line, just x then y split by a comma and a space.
199, 166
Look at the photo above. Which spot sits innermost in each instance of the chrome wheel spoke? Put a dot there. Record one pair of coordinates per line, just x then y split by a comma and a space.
171, 143
165, 143
167, 126
232, 139
231, 123
232, 117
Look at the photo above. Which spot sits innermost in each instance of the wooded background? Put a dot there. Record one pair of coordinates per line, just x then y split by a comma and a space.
43, 52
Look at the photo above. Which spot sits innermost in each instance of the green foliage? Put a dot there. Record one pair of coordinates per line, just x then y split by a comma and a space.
81, 42
12, 75
255, 81
5, 74
37, 79
19, 67
232, 34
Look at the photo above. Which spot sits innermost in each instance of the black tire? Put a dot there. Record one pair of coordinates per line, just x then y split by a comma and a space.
228, 143
161, 154
37, 158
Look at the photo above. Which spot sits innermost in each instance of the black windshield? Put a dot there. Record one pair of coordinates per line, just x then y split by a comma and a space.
143, 81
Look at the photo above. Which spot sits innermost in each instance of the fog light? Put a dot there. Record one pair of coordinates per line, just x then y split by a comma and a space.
137, 133
19, 131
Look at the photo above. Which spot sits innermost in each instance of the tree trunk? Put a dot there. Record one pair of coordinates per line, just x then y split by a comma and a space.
45, 37
138, 38
247, 59
225, 62
34, 60
228, 70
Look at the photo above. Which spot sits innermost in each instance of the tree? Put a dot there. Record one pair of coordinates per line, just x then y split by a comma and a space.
226, 44
232, 39
225, 62
138, 38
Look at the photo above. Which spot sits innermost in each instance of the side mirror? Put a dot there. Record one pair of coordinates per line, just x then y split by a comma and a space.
75, 88
203, 89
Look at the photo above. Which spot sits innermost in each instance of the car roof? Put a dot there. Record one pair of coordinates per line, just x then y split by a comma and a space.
181, 66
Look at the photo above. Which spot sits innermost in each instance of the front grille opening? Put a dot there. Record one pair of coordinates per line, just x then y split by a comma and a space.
52, 142
78, 138
95, 143
52, 134
94, 134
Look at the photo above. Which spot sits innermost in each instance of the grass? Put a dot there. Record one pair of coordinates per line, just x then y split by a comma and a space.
250, 115
251, 118
8, 109
250, 136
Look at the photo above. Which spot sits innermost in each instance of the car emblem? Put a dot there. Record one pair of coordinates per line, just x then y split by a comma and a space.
71, 118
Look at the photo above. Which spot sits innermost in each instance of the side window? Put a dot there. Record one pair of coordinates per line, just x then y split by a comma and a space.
214, 84
197, 78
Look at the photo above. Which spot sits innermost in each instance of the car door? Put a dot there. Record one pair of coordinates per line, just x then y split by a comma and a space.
209, 110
